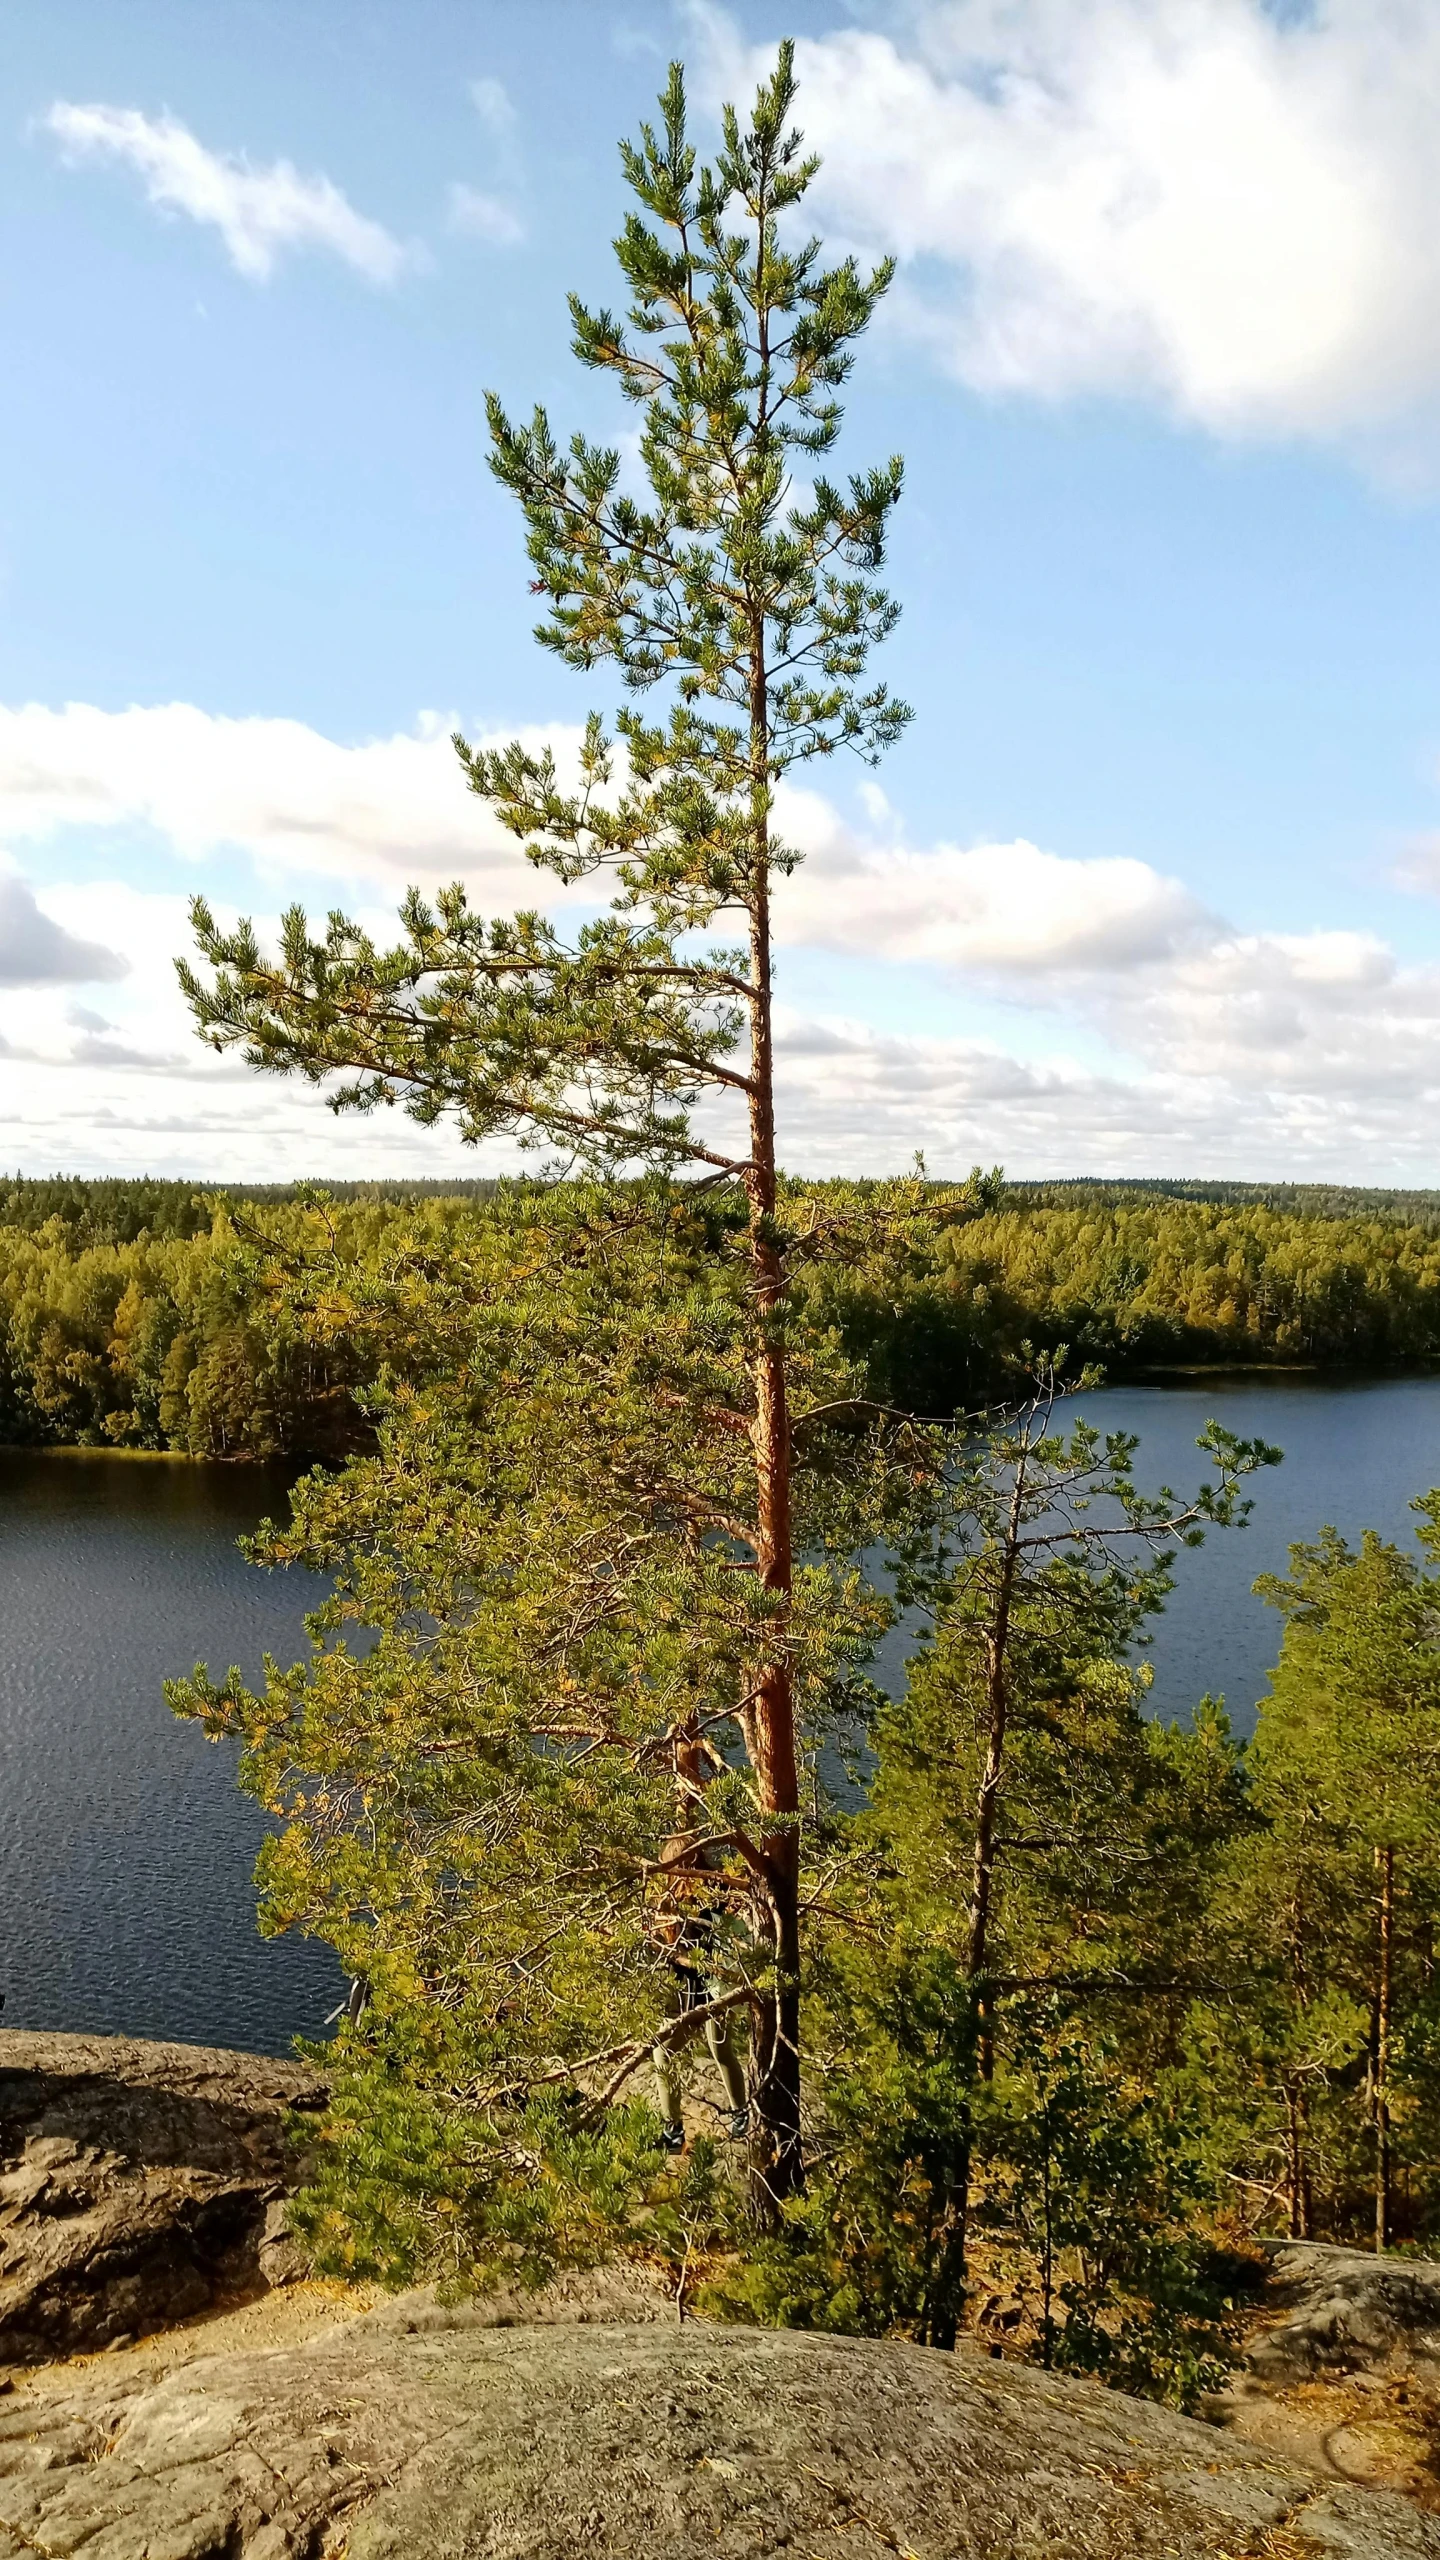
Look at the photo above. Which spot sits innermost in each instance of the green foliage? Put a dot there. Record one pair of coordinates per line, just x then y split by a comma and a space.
932, 1315
1093, 2203
1324, 2072
598, 1613
1094, 2190
1175, 1281
753, 611
541, 1560
403, 2187
1028, 1926
864, 2250
757, 612
178, 1341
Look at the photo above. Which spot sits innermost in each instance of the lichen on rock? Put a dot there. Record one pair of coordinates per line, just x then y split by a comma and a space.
536, 2441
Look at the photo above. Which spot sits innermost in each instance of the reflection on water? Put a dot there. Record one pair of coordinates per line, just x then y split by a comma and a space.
126, 1849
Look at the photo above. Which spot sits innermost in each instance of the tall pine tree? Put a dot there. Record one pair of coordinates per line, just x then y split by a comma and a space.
748, 602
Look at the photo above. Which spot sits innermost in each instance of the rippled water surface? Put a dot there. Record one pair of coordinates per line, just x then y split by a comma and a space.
1356, 1454
125, 1848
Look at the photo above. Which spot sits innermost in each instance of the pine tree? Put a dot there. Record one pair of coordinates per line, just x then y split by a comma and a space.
750, 603
1033, 1837
1344, 1884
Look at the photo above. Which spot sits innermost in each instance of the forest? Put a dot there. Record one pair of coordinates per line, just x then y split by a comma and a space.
139, 1315
1090, 2000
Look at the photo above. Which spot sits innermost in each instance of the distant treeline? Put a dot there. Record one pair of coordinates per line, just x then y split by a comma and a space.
1147, 1280
1291, 1199
117, 1212
133, 1314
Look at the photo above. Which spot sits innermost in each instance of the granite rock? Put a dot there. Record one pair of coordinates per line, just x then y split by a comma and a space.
137, 2182
1344, 2311
648, 2441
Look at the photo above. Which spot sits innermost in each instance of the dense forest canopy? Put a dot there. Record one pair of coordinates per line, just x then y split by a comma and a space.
115, 1209
137, 1314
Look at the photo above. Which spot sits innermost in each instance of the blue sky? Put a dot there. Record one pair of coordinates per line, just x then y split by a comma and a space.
1152, 884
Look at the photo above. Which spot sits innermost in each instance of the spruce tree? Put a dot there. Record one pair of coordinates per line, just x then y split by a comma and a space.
745, 604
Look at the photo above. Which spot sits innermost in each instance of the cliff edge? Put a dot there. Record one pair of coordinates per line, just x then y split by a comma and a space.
139, 2183
142, 2198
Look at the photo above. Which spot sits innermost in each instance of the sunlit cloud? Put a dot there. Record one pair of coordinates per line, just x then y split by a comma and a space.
1150, 1032
1217, 205
258, 212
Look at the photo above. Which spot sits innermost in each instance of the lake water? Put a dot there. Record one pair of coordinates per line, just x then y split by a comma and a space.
1357, 1451
126, 1849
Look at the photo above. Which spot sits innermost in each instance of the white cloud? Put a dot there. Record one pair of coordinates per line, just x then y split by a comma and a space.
480, 212
35, 951
1213, 203
390, 809
1332, 1015
854, 1100
1307, 1023
133, 1088
494, 106
1218, 1050
484, 217
1006, 907
257, 211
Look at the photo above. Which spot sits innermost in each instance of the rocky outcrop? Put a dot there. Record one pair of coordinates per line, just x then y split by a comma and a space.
1342, 2368
653, 2442
137, 2183
142, 2184
1344, 2311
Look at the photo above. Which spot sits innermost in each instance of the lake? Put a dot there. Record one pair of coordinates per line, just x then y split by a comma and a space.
126, 1848
126, 1904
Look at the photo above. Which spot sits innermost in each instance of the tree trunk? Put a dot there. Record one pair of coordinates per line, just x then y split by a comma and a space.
1385, 1866
997, 1708
948, 2289
775, 2157
1297, 2173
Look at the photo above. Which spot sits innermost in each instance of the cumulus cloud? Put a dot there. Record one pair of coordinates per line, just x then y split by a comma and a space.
1149, 1032
1308, 1022
1334, 1015
1010, 908
391, 809
853, 1099
35, 951
1219, 204
258, 212
131, 1088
